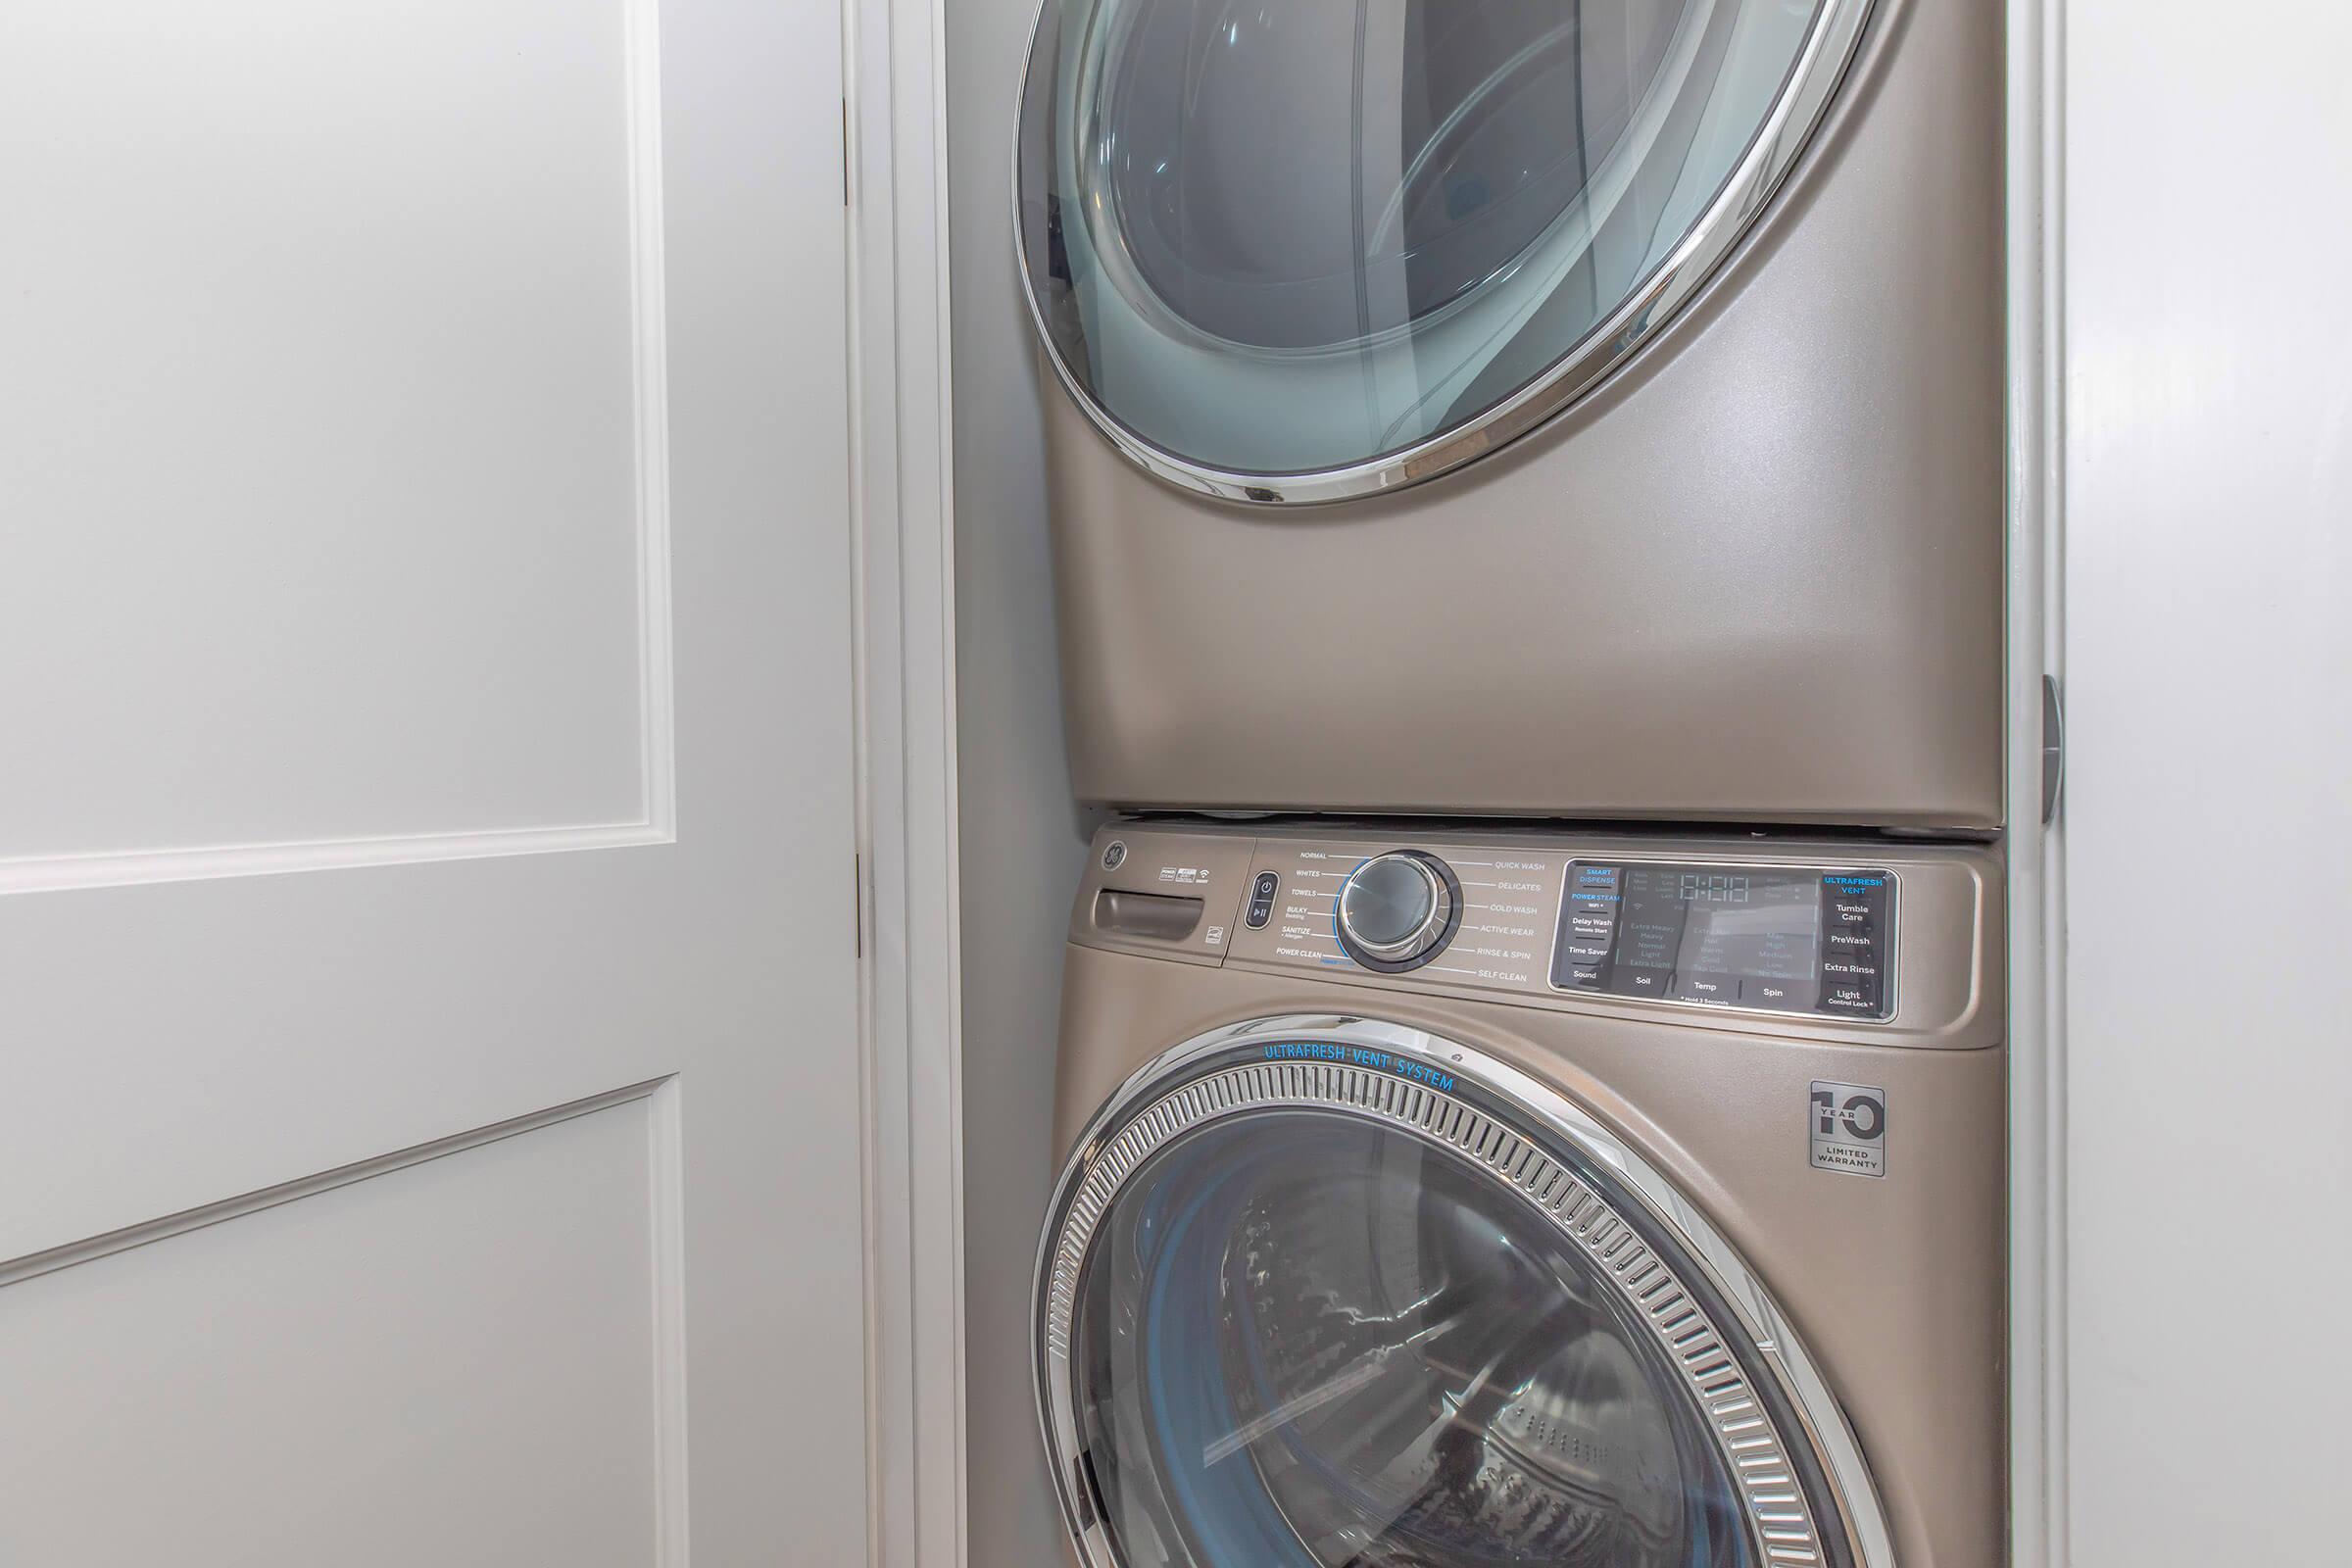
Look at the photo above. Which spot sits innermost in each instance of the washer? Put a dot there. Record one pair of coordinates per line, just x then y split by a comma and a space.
1501, 1252
1527, 408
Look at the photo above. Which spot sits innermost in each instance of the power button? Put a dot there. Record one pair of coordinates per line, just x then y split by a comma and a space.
1261, 899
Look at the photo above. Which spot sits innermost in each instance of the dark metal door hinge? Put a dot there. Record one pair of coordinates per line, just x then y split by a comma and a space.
2053, 748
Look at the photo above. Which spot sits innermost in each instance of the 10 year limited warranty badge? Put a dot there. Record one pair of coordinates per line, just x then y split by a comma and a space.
1849, 1128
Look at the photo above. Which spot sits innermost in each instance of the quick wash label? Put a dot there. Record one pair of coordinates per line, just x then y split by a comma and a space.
1849, 1128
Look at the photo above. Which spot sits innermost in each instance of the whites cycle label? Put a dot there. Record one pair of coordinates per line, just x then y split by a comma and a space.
1849, 1128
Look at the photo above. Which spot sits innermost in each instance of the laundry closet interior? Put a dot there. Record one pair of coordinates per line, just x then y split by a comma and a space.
1523, 592
1512, 733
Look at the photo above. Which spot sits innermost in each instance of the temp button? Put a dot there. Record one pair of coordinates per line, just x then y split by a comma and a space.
1721, 988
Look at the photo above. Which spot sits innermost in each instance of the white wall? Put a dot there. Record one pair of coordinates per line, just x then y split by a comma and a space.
1023, 844
2208, 560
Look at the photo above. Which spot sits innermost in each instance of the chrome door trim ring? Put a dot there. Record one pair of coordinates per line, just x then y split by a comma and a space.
1612, 342
1187, 1087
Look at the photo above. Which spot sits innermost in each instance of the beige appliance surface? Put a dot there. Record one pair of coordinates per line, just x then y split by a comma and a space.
1895, 1284
1754, 577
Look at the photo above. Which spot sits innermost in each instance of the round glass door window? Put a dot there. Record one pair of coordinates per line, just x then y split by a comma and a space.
1348, 245
1303, 1339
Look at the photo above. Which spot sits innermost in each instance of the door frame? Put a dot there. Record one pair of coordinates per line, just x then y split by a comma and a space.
2037, 884
894, 183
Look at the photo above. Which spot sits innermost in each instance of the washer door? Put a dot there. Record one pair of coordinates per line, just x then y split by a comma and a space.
1296, 253
1321, 1293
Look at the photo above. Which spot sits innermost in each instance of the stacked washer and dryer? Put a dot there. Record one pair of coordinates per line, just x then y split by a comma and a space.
1527, 485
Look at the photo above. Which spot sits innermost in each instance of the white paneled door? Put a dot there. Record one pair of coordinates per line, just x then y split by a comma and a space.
430, 1083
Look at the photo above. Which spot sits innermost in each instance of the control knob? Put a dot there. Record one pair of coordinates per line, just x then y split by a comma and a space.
1398, 910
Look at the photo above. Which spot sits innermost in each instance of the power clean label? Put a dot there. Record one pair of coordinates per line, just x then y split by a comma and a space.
1848, 1123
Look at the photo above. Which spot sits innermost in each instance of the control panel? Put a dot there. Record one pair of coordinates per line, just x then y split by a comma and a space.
1465, 915
1771, 938
1899, 943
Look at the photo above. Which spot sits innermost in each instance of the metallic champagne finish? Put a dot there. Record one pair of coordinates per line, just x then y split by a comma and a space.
1756, 576
1895, 1284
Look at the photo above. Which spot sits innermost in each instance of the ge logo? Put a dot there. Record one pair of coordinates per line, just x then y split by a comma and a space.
1860, 1117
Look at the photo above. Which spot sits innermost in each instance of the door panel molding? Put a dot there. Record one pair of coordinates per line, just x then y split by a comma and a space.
32, 1265
131, 861
590, 1206
664, 1158
66, 872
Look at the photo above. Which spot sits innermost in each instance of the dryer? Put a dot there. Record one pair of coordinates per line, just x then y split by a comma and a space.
1530, 407
1641, 1207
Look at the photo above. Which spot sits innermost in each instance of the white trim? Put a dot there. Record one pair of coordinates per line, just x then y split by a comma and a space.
2037, 1439
133, 868
903, 491
648, 306
665, 1158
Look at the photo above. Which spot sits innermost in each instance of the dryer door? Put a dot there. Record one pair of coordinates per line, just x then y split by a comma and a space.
1296, 253
1320, 1293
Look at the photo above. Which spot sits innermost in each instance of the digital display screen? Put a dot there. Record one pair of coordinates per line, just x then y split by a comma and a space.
1782, 940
